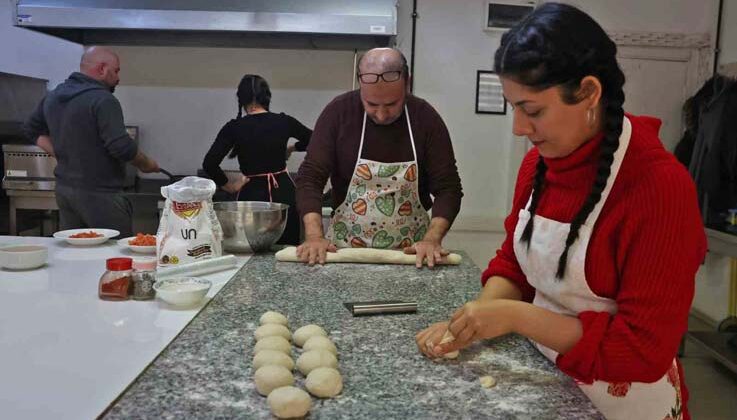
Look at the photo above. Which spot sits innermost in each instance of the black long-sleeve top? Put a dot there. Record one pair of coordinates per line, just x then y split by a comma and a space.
259, 142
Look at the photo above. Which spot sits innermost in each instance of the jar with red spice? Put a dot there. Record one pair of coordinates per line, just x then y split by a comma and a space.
115, 284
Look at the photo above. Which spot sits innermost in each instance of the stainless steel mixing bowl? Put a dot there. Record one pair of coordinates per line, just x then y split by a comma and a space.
251, 226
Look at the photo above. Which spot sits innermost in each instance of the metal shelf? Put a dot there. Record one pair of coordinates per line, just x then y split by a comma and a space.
722, 346
722, 243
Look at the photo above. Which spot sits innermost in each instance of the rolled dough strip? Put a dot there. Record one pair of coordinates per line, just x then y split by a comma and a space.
365, 255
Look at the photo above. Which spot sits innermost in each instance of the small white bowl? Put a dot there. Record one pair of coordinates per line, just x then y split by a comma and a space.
23, 257
183, 291
105, 235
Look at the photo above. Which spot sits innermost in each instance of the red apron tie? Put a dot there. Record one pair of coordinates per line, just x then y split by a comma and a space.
270, 180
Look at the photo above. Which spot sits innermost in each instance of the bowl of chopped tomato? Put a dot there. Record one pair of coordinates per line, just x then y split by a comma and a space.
86, 237
142, 243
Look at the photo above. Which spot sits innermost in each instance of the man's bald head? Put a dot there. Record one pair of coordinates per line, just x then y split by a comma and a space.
101, 64
380, 60
383, 100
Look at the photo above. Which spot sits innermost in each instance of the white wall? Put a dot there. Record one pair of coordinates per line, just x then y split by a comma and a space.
451, 46
728, 40
34, 54
181, 97
680, 16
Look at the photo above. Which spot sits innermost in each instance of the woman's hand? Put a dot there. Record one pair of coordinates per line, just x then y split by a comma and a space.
290, 149
428, 338
479, 320
234, 186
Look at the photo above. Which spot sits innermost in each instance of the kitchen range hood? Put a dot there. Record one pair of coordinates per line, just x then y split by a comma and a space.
313, 24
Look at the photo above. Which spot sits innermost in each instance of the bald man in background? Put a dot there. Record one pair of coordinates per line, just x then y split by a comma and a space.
389, 158
80, 122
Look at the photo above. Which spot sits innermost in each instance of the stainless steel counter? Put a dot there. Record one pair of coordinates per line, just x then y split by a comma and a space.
722, 345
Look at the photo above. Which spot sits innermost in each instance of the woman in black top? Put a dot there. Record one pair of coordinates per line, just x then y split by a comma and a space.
259, 140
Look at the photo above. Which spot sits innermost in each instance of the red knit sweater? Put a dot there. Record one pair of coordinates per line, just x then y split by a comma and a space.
645, 250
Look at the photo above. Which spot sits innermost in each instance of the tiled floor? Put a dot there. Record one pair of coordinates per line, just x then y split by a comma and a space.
712, 387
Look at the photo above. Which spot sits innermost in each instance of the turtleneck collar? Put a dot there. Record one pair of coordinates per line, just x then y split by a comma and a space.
586, 155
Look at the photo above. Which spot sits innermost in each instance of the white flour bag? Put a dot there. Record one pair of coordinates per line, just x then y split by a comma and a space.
189, 230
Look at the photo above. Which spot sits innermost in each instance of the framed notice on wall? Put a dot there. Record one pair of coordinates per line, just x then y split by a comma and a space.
489, 96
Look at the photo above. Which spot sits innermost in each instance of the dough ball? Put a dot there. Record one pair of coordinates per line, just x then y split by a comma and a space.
269, 330
271, 377
272, 357
273, 342
314, 359
305, 333
487, 381
447, 338
324, 382
288, 402
272, 317
319, 342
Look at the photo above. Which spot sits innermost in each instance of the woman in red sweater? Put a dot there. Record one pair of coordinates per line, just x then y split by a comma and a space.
604, 238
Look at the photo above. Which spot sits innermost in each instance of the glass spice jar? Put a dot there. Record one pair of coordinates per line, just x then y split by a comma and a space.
115, 283
143, 278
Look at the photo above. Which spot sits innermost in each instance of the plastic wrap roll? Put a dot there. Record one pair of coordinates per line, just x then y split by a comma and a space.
198, 268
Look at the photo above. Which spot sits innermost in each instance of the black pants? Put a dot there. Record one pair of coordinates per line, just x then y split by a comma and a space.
257, 189
93, 209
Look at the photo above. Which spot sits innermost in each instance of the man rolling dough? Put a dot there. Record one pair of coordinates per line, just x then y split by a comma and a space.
386, 152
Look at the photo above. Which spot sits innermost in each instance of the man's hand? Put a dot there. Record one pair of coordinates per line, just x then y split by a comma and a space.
290, 149
314, 250
235, 185
315, 247
151, 166
144, 163
480, 320
426, 249
430, 247
44, 142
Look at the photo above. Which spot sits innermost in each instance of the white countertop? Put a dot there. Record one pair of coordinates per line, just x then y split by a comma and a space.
64, 353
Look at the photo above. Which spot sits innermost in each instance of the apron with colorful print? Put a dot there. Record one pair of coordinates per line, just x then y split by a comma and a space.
382, 207
572, 295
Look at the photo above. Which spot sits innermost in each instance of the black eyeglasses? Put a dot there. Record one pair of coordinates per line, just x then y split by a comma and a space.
387, 76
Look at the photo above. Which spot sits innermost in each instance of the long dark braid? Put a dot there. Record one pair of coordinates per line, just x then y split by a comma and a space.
609, 145
252, 89
537, 190
559, 45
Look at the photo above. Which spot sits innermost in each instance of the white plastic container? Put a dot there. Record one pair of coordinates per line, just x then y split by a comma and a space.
183, 291
23, 257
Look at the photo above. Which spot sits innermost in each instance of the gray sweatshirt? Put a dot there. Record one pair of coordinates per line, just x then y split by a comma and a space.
85, 123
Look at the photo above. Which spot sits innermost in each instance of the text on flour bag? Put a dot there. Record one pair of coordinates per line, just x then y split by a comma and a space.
189, 230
